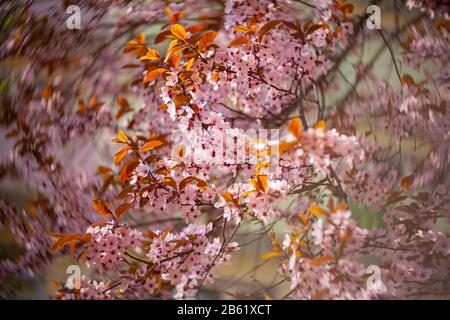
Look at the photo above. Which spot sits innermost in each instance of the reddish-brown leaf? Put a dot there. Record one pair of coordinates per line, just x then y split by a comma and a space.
120, 210
63, 240
102, 207
206, 39
407, 182
162, 36
153, 74
186, 181
127, 169
267, 27
169, 181
313, 28
122, 101
202, 185
196, 28
121, 154
238, 42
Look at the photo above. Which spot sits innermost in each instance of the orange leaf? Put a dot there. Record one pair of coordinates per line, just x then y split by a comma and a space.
196, 28
186, 181
269, 255
319, 294
102, 207
151, 54
124, 107
174, 61
169, 12
347, 8
341, 207
162, 36
31, 208
120, 210
247, 193
228, 197
123, 102
172, 44
263, 182
206, 39
126, 170
166, 233
285, 146
162, 171
153, 74
93, 101
255, 183
407, 80
123, 174
60, 243
295, 127
238, 42
140, 38
121, 154
241, 28
303, 218
189, 64
268, 26
178, 31
202, 185
46, 92
151, 145
318, 211
320, 260
267, 296
122, 136
407, 182
175, 50
320, 125
136, 45
260, 183
170, 182
174, 16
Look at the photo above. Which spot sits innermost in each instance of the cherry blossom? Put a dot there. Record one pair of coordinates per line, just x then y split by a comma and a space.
147, 156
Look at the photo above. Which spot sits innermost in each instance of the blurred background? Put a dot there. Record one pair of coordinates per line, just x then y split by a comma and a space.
247, 274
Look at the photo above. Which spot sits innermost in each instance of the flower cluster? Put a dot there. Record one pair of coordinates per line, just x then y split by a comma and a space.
187, 259
239, 113
107, 246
